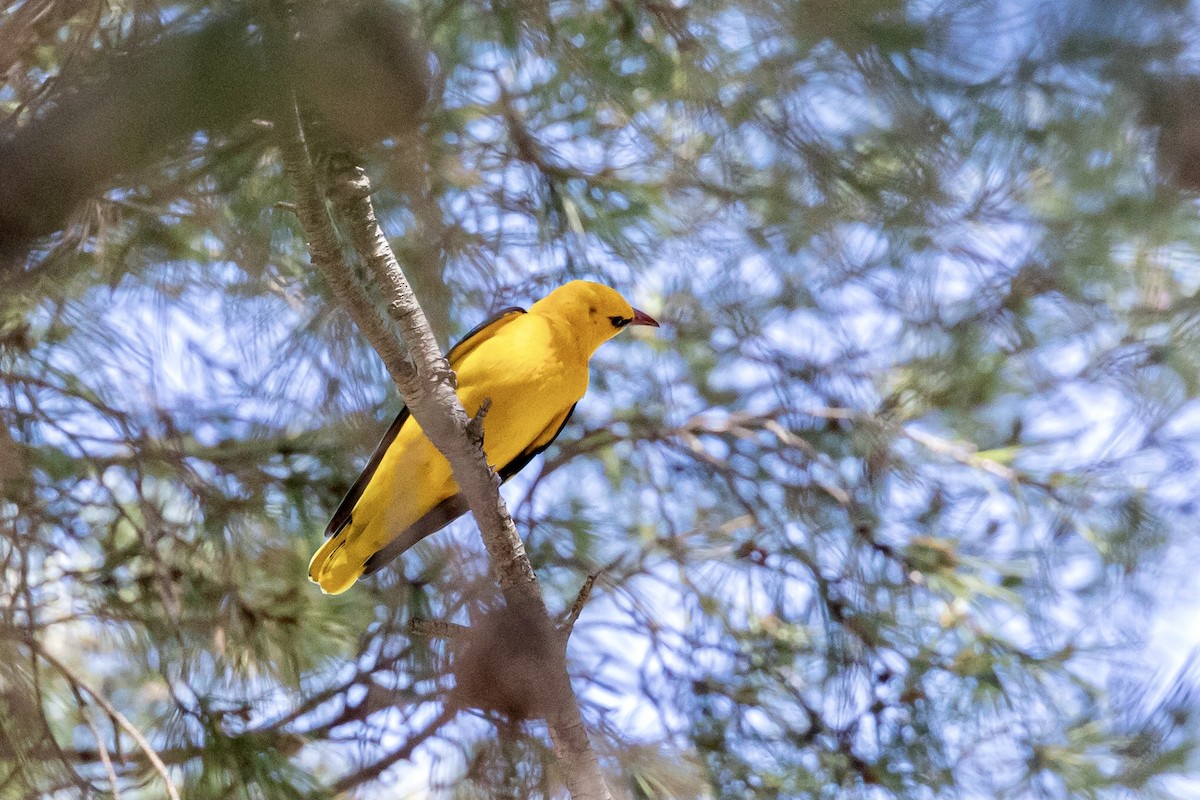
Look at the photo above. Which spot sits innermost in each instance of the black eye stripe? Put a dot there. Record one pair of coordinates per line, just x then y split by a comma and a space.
620, 322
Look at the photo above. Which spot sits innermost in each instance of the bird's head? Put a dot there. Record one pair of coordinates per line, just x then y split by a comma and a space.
593, 311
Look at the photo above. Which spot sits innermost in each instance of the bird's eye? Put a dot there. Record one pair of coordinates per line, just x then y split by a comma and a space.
620, 322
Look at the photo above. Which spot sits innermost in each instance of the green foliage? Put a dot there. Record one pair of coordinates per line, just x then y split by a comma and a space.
880, 510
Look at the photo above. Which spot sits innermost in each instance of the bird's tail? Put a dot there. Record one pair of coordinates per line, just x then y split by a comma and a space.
336, 566
331, 568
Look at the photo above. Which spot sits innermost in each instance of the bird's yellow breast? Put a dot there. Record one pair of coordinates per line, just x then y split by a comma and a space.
531, 377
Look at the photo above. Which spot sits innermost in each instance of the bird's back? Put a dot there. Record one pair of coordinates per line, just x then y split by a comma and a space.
533, 376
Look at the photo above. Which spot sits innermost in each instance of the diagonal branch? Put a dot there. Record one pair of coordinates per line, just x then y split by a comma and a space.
403, 752
429, 392
585, 593
325, 249
120, 719
428, 386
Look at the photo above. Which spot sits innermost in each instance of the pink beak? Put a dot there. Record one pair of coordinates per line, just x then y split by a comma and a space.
642, 318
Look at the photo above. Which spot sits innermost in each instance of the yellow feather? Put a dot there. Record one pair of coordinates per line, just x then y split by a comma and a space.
533, 366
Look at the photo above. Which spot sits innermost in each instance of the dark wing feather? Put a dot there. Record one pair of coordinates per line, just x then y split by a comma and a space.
452, 508
341, 518
520, 462
439, 517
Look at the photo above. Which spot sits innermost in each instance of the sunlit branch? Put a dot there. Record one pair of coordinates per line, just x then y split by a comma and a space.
428, 386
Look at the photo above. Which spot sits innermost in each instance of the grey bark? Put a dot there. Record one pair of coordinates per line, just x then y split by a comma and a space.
427, 383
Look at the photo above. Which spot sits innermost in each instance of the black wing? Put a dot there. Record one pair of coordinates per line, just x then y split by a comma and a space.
520, 462
439, 517
454, 507
341, 518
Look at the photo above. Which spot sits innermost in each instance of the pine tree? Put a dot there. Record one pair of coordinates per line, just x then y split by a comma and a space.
891, 507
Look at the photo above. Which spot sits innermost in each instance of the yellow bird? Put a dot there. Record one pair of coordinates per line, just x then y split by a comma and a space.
533, 366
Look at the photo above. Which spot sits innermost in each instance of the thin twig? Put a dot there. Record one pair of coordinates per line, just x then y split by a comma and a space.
585, 593
437, 629
961, 454
378, 767
102, 750
117, 716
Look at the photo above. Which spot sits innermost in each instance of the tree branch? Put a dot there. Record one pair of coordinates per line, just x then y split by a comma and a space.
430, 391
326, 252
120, 719
436, 628
585, 593
379, 766
428, 386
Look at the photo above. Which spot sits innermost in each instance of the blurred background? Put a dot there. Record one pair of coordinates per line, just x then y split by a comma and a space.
898, 503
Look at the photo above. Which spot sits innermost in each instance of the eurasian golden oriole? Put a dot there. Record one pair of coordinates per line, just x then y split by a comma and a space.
533, 366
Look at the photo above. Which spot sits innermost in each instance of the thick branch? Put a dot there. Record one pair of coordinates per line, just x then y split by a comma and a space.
428, 387
326, 252
435, 405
